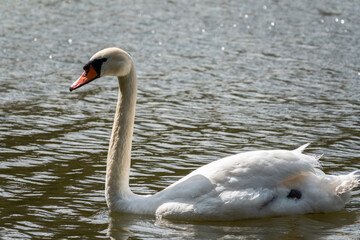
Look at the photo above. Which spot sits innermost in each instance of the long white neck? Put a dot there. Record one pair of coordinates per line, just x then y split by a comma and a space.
119, 155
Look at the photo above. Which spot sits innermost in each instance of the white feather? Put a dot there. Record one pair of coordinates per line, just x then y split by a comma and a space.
246, 185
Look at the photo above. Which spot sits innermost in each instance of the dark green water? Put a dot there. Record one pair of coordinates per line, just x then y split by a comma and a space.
215, 78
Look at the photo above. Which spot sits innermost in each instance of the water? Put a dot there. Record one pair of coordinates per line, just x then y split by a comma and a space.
215, 78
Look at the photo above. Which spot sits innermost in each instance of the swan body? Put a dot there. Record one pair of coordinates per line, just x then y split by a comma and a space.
246, 185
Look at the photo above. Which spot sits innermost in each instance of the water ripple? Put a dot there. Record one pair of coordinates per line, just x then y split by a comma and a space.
214, 80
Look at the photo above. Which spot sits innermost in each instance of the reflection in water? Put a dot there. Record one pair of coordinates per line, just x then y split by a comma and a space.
214, 79
124, 226
120, 224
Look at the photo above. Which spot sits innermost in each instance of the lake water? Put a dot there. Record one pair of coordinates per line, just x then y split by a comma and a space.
215, 78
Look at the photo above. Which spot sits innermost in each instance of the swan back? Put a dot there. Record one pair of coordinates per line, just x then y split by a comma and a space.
256, 184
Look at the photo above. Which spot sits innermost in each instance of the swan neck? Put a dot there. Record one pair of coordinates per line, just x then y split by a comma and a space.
119, 154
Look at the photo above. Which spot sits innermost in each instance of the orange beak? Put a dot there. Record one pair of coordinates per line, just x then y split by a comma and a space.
85, 78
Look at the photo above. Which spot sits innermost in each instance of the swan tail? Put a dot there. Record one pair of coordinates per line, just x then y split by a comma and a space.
348, 183
312, 159
302, 148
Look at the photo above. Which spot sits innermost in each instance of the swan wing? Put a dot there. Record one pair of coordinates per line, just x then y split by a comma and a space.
257, 169
255, 184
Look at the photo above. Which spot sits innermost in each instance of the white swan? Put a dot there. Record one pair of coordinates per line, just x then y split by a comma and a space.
246, 185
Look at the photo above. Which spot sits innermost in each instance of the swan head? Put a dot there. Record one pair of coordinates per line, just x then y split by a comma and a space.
107, 62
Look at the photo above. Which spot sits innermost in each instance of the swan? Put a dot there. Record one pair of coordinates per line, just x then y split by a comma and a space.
246, 185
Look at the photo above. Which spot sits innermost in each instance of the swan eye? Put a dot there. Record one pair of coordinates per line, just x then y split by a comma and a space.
96, 64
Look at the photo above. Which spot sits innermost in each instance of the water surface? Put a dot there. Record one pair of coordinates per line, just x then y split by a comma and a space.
215, 78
